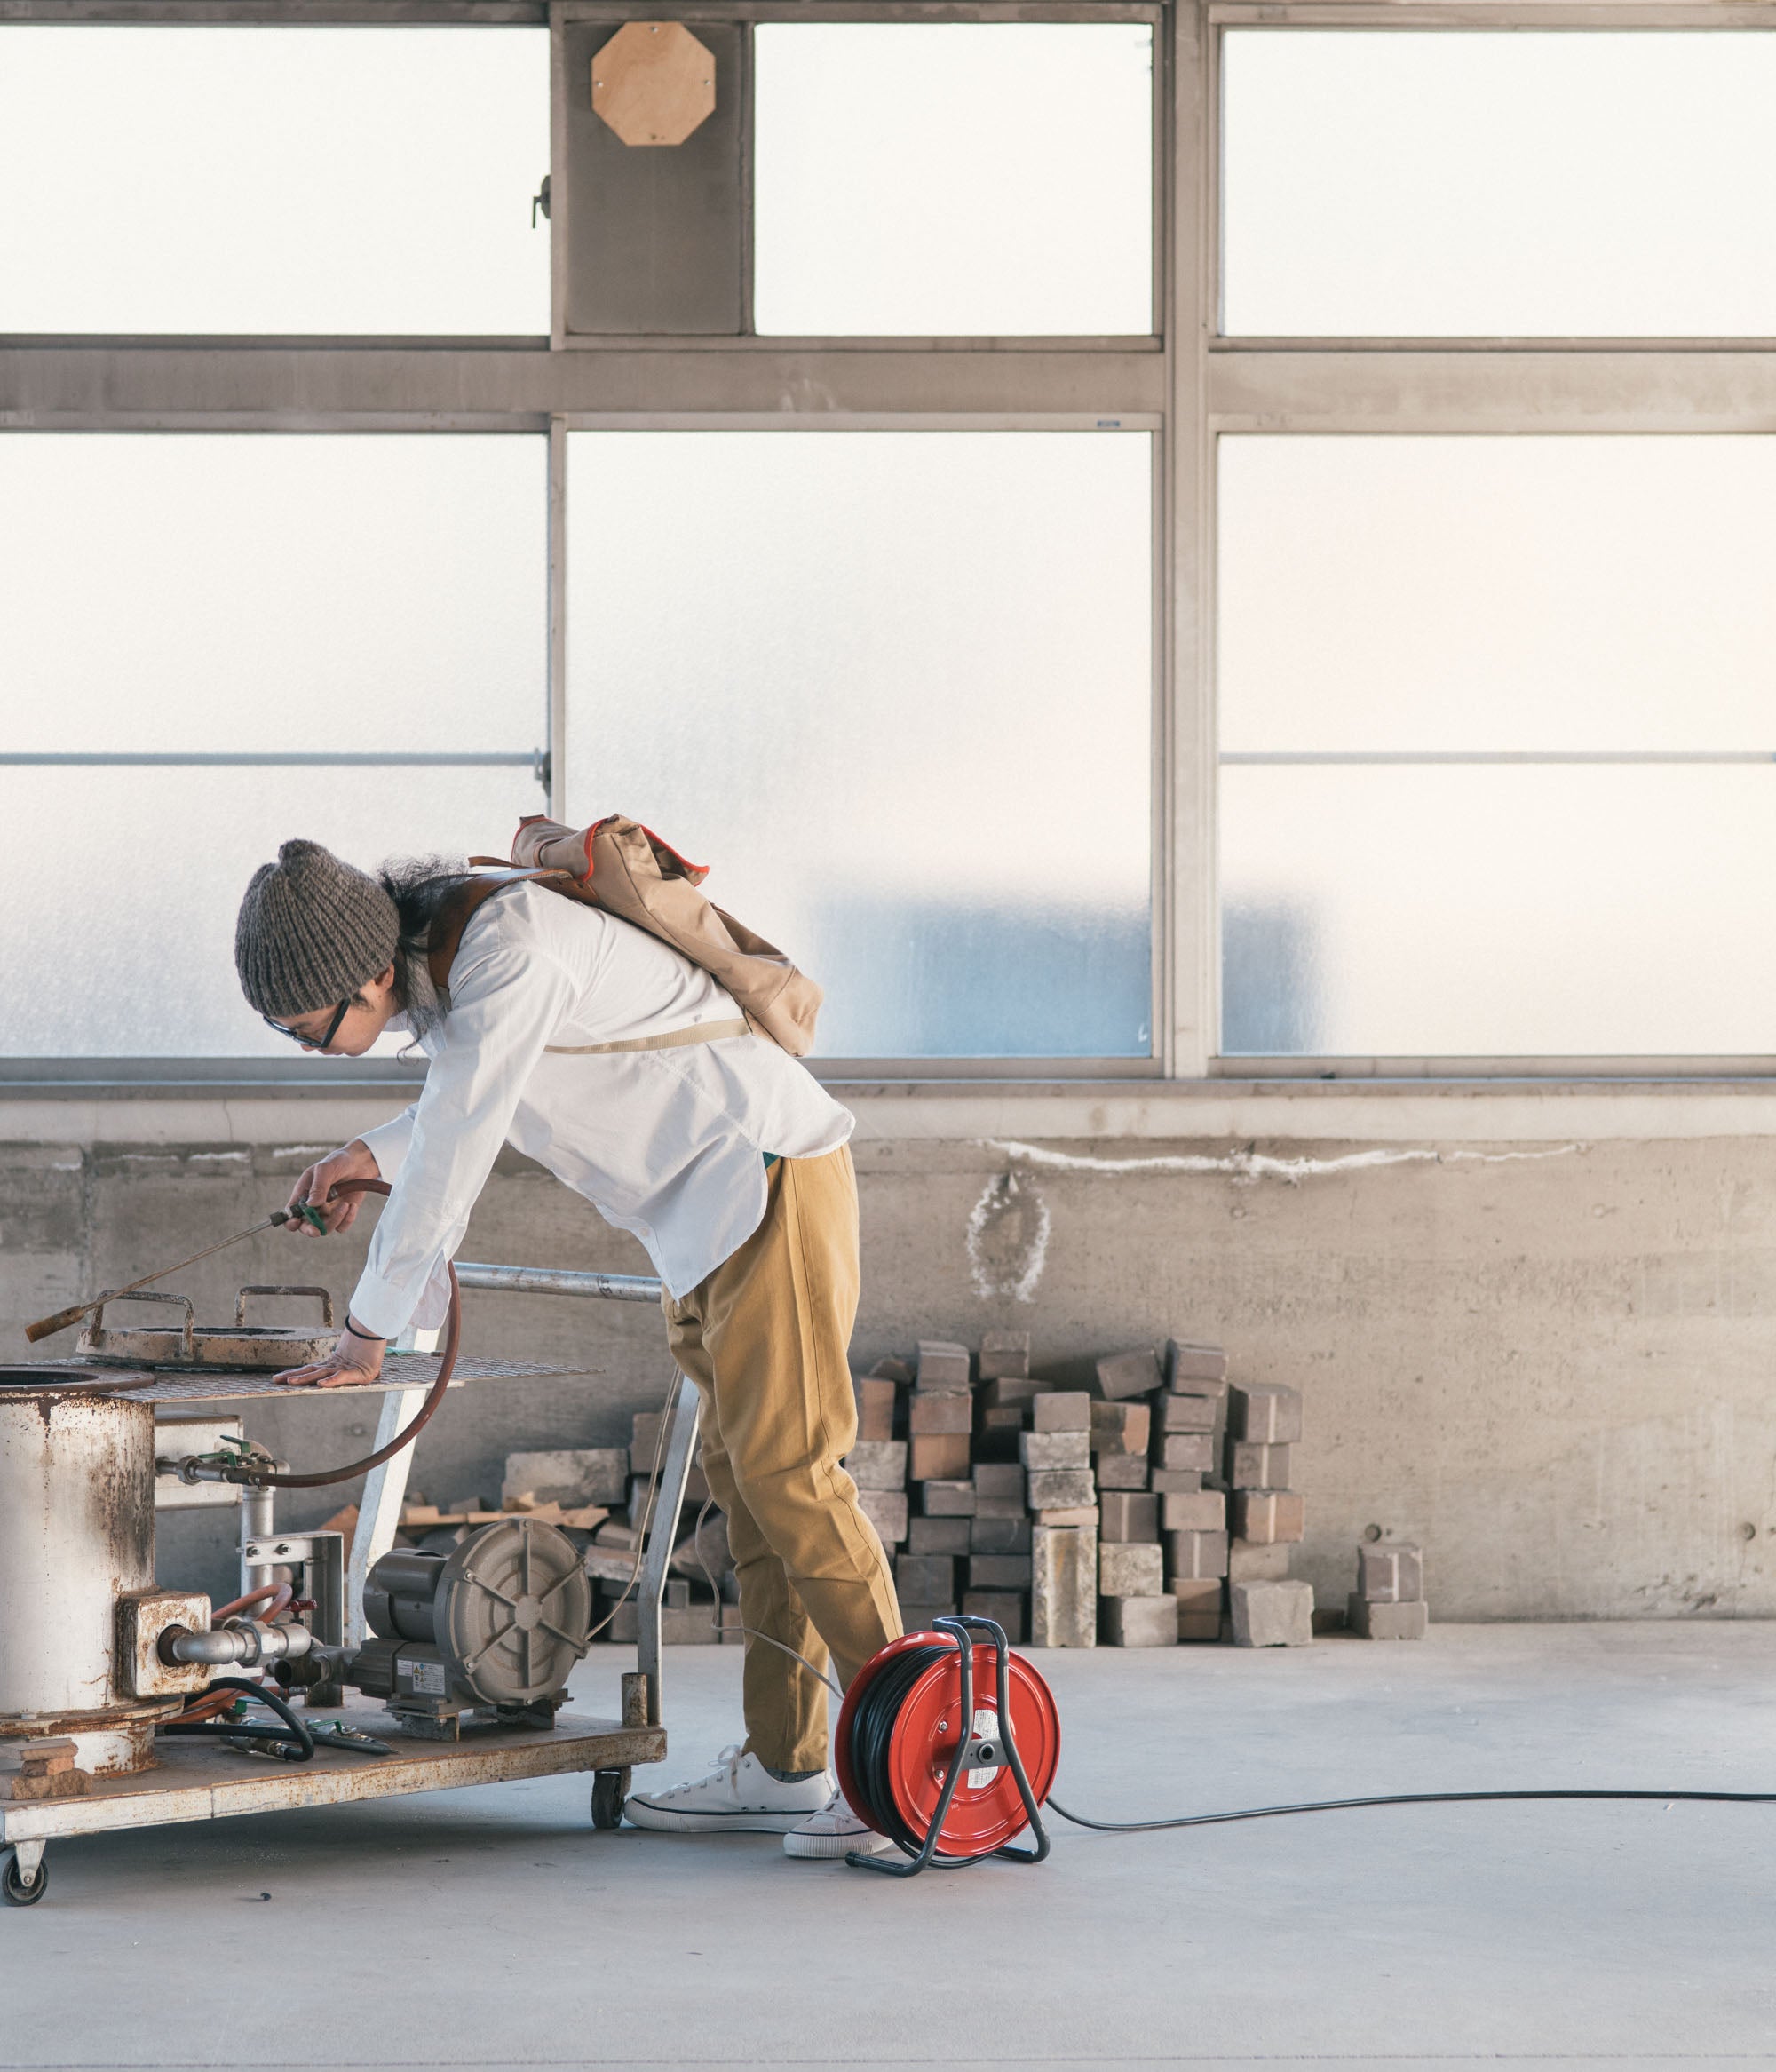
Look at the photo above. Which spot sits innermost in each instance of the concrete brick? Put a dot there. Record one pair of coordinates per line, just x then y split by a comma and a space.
945, 1497
940, 1456
1193, 1556
999, 1536
875, 1405
1267, 1411
900, 1371
1055, 1450
1129, 1569
643, 1436
1270, 1516
1196, 1596
1004, 1354
1271, 1614
1253, 1465
1006, 1606
1205, 1367
1370, 1621
1137, 1622
1120, 1428
941, 1364
1391, 1573
1175, 1481
1008, 1389
1064, 1587
1069, 1514
1128, 1374
1000, 1424
1186, 1413
1123, 1471
1060, 1489
1205, 1510
572, 1476
1062, 1409
1000, 1489
917, 1618
886, 1511
939, 1535
1128, 1517
878, 1464
998, 1571
1199, 1625
925, 1578
1195, 1451
1248, 1563
935, 1410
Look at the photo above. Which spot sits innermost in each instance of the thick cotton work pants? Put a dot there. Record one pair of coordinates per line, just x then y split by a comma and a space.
765, 1339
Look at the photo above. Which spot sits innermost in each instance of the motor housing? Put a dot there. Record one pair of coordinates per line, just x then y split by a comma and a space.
495, 1626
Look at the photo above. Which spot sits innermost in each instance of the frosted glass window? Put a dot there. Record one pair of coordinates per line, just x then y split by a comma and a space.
896, 690
142, 964
1499, 751
1523, 593
953, 178
245, 595
235, 179
1446, 184
1472, 912
251, 591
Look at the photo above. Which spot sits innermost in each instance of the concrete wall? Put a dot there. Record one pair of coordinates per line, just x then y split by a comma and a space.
1537, 1333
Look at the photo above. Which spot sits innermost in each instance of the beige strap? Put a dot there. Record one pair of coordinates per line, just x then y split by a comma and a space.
674, 1039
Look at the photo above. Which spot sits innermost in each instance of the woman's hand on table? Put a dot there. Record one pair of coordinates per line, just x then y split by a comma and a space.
353, 1360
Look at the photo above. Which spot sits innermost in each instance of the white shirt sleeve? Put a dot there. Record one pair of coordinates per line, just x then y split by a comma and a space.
506, 1001
388, 1142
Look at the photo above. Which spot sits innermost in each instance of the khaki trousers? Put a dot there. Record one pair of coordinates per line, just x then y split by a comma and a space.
765, 1339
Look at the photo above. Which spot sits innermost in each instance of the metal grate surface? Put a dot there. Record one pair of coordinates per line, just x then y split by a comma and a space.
407, 1370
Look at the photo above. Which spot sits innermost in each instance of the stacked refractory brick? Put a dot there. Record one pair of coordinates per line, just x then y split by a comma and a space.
1073, 1517
1388, 1603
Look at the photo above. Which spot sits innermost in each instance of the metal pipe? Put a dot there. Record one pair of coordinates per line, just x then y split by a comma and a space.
256, 1524
245, 1641
559, 1281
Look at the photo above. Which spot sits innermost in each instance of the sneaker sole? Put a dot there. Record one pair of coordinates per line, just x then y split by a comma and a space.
816, 1847
662, 1819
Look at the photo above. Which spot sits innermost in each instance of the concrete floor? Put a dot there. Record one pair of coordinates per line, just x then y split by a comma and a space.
494, 1928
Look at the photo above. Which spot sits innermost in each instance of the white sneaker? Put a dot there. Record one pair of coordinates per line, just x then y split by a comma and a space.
738, 1796
835, 1830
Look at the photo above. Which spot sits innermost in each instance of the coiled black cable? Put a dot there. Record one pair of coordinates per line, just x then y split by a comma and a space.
293, 1736
872, 1733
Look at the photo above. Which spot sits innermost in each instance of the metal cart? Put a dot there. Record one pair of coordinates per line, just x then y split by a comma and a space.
193, 1780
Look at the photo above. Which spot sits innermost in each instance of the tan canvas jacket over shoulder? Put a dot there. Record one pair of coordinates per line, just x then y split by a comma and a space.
627, 869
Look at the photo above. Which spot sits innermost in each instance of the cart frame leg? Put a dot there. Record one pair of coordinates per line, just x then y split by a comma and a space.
379, 1512
681, 1442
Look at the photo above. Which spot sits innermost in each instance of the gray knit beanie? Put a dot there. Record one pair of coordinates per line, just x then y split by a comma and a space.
311, 931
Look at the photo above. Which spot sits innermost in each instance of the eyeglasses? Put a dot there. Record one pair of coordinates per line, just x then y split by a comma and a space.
311, 1043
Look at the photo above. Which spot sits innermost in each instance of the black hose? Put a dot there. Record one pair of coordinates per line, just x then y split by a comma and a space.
1209, 1819
293, 1735
873, 1721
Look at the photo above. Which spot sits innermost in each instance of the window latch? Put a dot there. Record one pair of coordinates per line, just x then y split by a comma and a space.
540, 200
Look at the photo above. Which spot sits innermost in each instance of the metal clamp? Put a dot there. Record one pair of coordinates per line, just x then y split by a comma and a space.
283, 1288
122, 1294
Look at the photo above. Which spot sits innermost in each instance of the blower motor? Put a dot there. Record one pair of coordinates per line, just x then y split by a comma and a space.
495, 1626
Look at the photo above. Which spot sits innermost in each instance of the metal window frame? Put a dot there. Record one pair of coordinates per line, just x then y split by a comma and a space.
545, 386
1458, 386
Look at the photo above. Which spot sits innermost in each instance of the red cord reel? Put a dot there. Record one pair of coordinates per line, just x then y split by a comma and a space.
899, 1729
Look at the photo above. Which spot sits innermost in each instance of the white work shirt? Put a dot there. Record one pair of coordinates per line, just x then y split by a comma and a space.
668, 1144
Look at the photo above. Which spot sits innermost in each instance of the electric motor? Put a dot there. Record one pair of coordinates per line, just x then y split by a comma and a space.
497, 1624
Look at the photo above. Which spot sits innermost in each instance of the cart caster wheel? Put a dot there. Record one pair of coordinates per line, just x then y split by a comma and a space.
13, 1889
610, 1788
